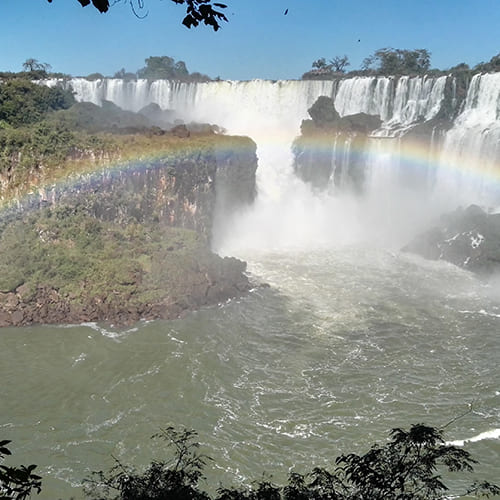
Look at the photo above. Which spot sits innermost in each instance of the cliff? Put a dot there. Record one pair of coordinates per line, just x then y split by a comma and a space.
332, 148
126, 241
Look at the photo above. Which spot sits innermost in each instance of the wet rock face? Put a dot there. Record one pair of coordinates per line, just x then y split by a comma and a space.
180, 190
331, 149
468, 238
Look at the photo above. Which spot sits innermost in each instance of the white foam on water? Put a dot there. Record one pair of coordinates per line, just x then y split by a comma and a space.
492, 434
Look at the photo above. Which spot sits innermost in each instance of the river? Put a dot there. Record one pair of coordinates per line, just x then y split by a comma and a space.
345, 344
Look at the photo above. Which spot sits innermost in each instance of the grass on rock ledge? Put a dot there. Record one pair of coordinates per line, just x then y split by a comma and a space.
86, 260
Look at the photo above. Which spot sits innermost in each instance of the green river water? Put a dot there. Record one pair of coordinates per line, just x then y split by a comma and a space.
344, 345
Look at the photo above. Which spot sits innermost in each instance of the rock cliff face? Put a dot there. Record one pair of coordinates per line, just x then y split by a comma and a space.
126, 243
332, 150
179, 189
468, 238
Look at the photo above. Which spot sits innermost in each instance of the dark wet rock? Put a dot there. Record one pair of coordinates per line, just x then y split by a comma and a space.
468, 238
330, 150
180, 131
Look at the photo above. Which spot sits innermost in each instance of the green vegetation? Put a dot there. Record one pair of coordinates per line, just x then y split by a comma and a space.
158, 68
83, 258
492, 65
407, 467
23, 102
45, 136
165, 67
389, 61
33, 154
34, 65
16, 483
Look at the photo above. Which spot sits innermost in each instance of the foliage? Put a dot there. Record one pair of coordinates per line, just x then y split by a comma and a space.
23, 102
405, 468
175, 479
123, 75
30, 154
491, 66
320, 64
87, 259
197, 11
34, 65
340, 63
166, 68
94, 76
390, 61
17, 483
321, 69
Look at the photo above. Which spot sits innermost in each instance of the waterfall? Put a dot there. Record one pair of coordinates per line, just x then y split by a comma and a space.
473, 145
463, 167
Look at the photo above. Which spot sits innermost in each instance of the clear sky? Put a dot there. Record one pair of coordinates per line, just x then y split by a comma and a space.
258, 42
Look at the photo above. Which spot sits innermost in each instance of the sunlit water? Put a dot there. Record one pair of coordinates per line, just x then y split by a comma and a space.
344, 345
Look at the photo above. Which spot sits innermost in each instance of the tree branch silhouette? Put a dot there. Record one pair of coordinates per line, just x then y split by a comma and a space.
197, 11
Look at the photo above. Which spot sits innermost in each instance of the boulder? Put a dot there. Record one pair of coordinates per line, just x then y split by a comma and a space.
468, 238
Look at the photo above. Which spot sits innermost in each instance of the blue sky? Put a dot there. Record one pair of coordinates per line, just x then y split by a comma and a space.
258, 42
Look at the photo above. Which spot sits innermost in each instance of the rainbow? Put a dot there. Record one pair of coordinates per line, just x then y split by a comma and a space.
445, 170
463, 168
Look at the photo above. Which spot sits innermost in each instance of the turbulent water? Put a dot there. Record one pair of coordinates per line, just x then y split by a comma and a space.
344, 345
350, 339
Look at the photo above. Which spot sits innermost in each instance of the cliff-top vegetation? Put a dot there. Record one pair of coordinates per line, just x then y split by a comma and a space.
46, 136
397, 62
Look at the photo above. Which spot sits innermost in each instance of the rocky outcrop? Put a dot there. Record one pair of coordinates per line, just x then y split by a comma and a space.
179, 188
331, 149
126, 243
468, 238
211, 280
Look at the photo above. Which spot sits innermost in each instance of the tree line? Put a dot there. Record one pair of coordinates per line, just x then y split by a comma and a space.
389, 61
156, 68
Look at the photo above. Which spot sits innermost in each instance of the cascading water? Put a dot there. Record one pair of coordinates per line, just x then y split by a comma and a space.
473, 144
271, 113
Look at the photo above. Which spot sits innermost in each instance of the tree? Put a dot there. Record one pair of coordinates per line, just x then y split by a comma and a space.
17, 483
34, 65
405, 468
175, 479
180, 70
124, 75
23, 102
158, 68
320, 64
492, 66
390, 61
339, 64
197, 11
166, 68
